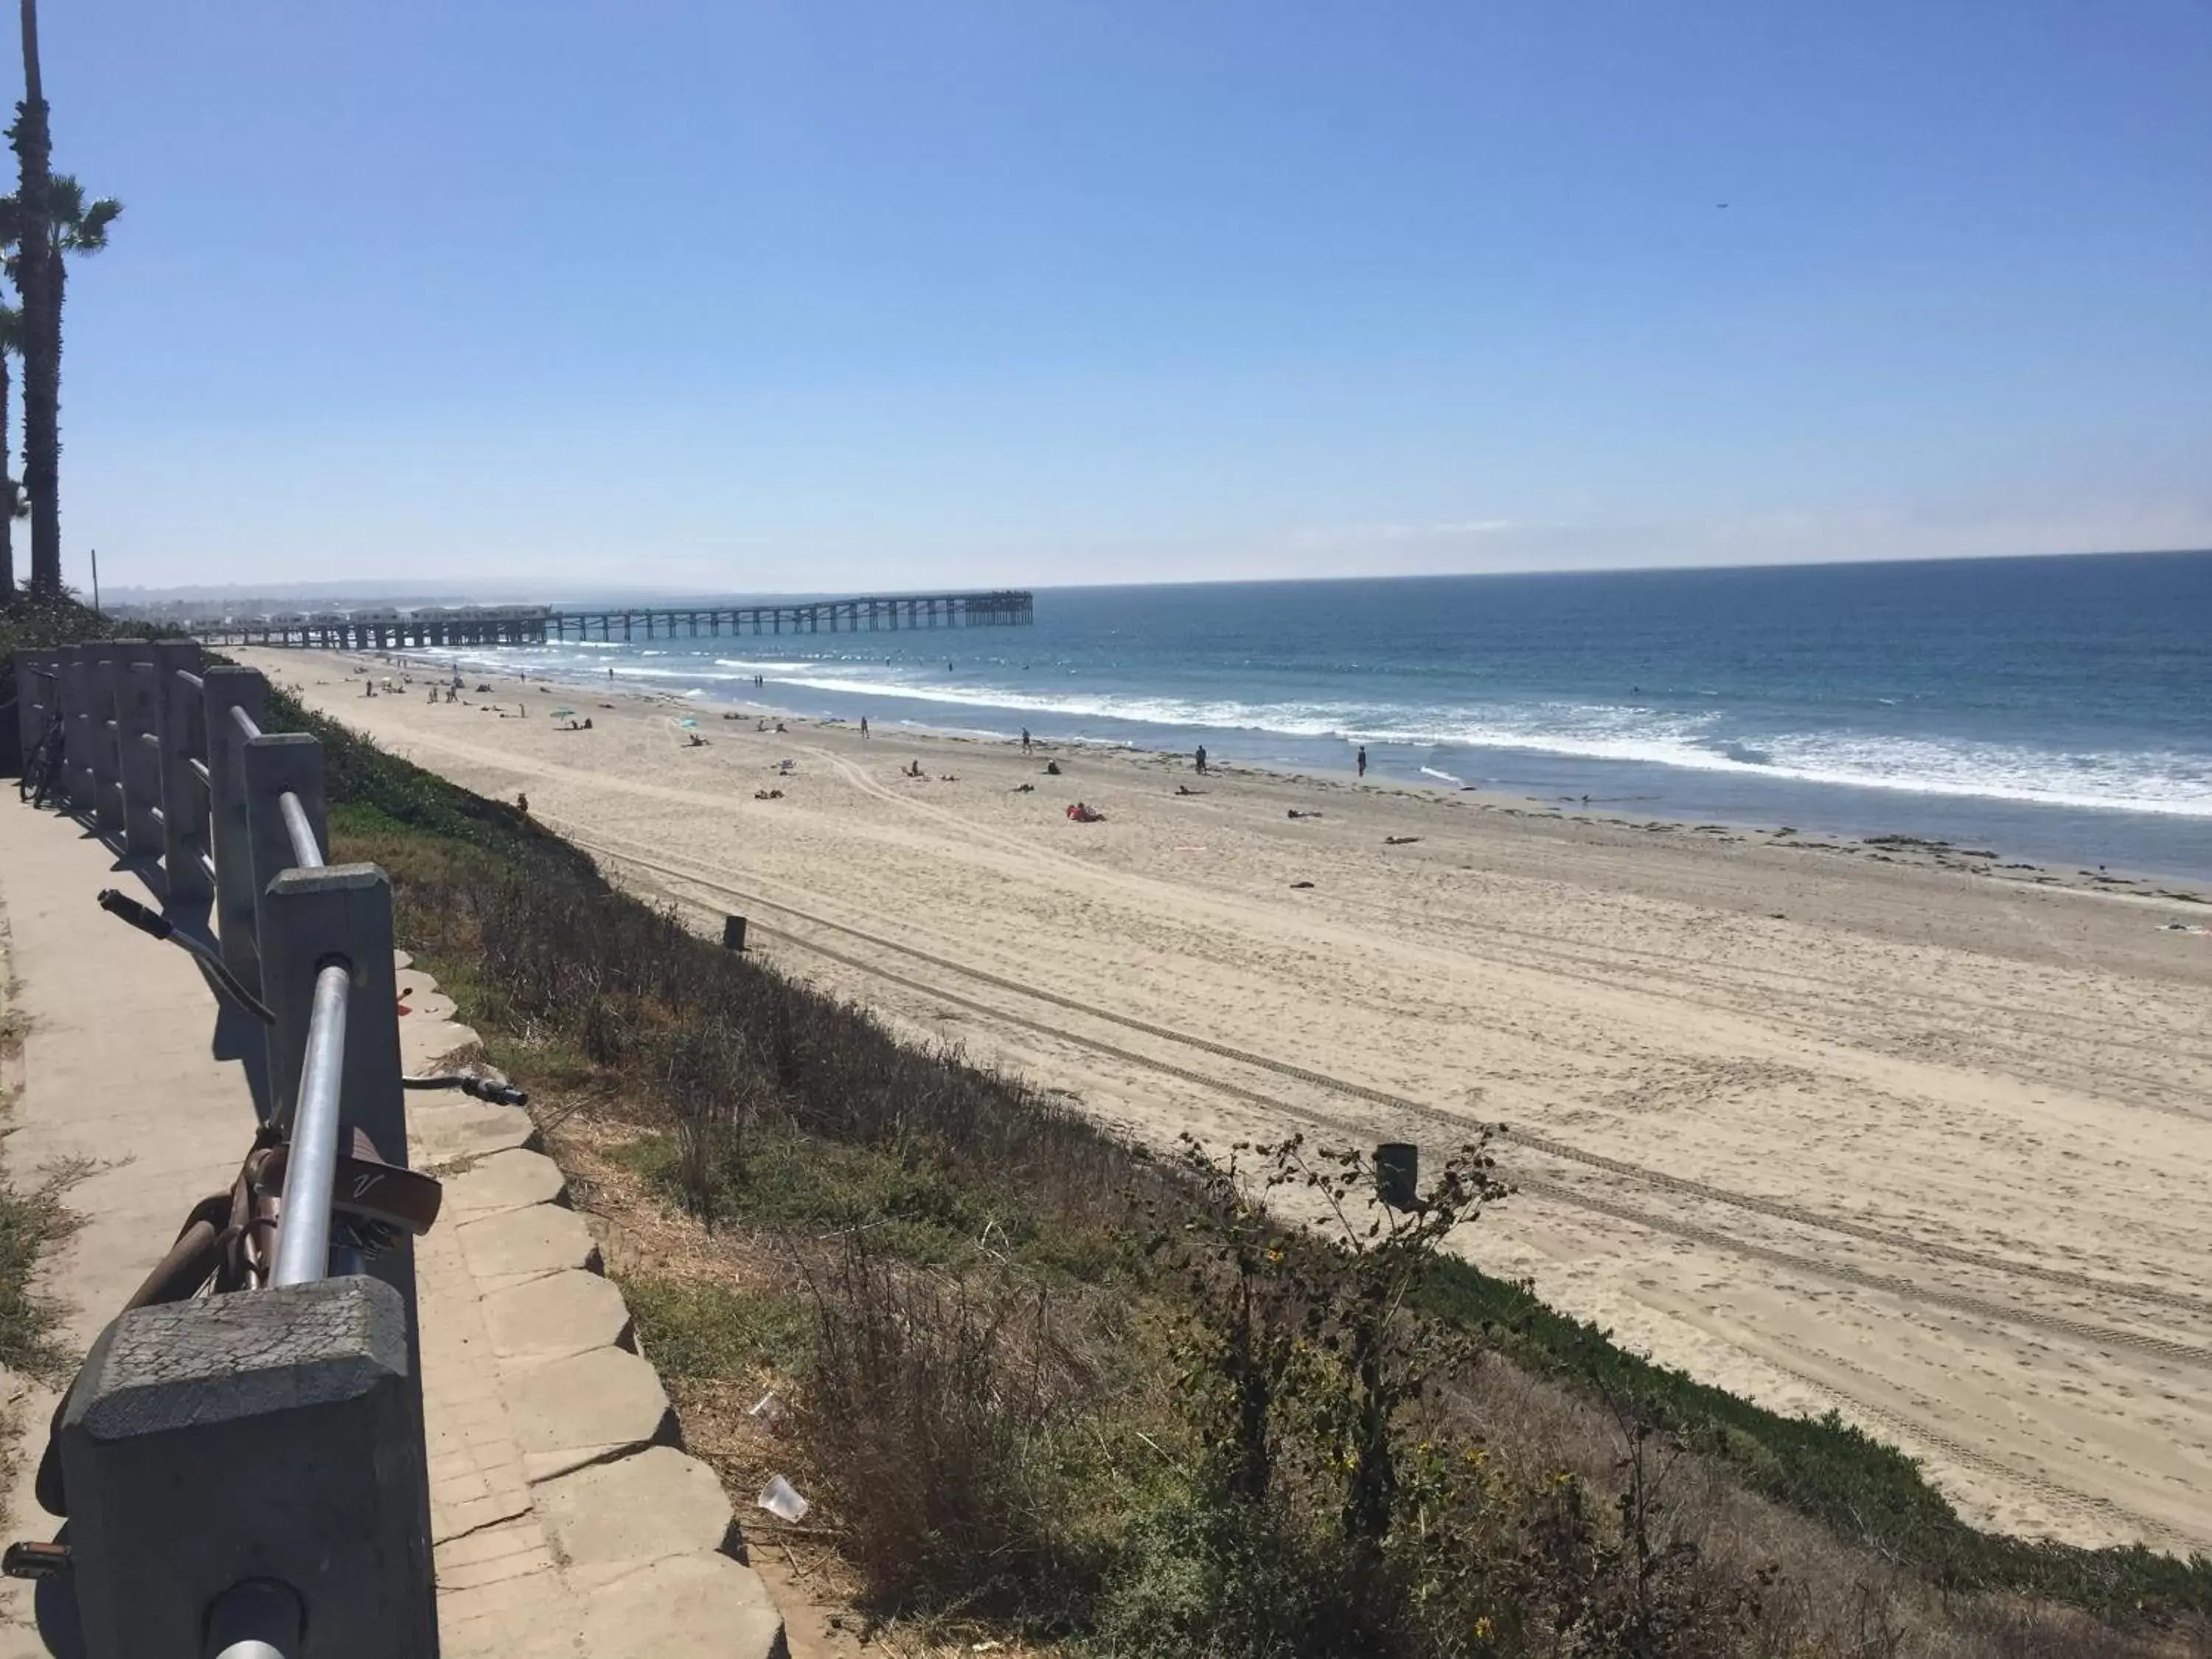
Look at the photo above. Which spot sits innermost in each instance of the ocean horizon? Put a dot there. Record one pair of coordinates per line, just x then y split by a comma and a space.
2057, 709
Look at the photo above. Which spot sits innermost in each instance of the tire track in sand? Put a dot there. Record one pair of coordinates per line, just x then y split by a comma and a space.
1781, 1211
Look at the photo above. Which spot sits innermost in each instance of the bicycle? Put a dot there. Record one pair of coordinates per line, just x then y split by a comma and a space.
228, 1239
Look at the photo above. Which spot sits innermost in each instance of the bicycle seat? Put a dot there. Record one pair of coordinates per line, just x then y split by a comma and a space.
367, 1187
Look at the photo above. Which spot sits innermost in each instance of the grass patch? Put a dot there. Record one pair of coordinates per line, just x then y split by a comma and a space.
1824, 1466
917, 1204
30, 1223
705, 1330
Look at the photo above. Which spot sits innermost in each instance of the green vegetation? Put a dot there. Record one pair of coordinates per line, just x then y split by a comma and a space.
1870, 1494
29, 1222
38, 623
695, 1328
1041, 1375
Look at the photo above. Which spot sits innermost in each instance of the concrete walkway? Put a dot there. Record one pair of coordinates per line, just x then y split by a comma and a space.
564, 1518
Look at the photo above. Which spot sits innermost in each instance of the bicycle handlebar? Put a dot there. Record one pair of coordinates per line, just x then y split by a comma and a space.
483, 1088
156, 926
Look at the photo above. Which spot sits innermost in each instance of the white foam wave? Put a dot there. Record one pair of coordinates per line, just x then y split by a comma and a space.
2167, 782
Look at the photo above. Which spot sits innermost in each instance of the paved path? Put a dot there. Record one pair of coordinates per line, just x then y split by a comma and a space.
565, 1520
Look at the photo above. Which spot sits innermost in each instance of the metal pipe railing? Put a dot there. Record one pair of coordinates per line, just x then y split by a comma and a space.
236, 819
303, 1228
259, 1618
306, 852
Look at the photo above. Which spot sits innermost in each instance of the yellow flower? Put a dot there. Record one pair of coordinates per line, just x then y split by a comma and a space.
1482, 1628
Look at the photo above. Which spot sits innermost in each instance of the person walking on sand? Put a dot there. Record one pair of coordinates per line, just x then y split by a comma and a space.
1201, 760
1025, 740
1362, 760
864, 726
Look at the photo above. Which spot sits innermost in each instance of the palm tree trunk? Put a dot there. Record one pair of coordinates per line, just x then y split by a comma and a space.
38, 278
7, 492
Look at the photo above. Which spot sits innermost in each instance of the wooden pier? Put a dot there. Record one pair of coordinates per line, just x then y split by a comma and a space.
531, 624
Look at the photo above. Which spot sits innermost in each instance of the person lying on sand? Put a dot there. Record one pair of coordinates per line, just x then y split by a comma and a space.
1185, 789
767, 794
693, 740
1082, 813
1024, 789
1297, 814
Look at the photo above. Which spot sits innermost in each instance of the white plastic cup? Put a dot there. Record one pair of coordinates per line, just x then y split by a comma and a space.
780, 1500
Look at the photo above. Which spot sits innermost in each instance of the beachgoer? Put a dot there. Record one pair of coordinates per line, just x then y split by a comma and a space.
522, 803
1025, 740
587, 722
1052, 769
1362, 760
778, 726
1201, 760
864, 726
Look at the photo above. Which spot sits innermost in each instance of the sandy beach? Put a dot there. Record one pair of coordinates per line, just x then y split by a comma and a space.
1888, 1130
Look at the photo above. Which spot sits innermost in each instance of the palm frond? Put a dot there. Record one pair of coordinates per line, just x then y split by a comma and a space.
89, 235
78, 227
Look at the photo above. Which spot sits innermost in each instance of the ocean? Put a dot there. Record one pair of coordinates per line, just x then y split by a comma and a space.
2054, 709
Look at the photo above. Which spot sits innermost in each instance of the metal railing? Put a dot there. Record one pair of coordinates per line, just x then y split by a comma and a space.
168, 758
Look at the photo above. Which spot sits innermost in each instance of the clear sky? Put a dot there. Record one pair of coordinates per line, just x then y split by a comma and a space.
705, 293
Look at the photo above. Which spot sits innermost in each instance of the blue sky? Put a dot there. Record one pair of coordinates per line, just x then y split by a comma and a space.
831, 295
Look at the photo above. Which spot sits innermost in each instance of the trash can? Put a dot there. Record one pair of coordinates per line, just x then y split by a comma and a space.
733, 933
1397, 1174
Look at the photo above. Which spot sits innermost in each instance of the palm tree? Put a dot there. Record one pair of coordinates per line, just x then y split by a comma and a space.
12, 495
52, 220
33, 241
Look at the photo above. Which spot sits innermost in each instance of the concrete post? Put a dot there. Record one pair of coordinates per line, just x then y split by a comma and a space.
139, 758
312, 916
34, 696
103, 671
226, 689
77, 712
189, 890
276, 763
273, 1435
